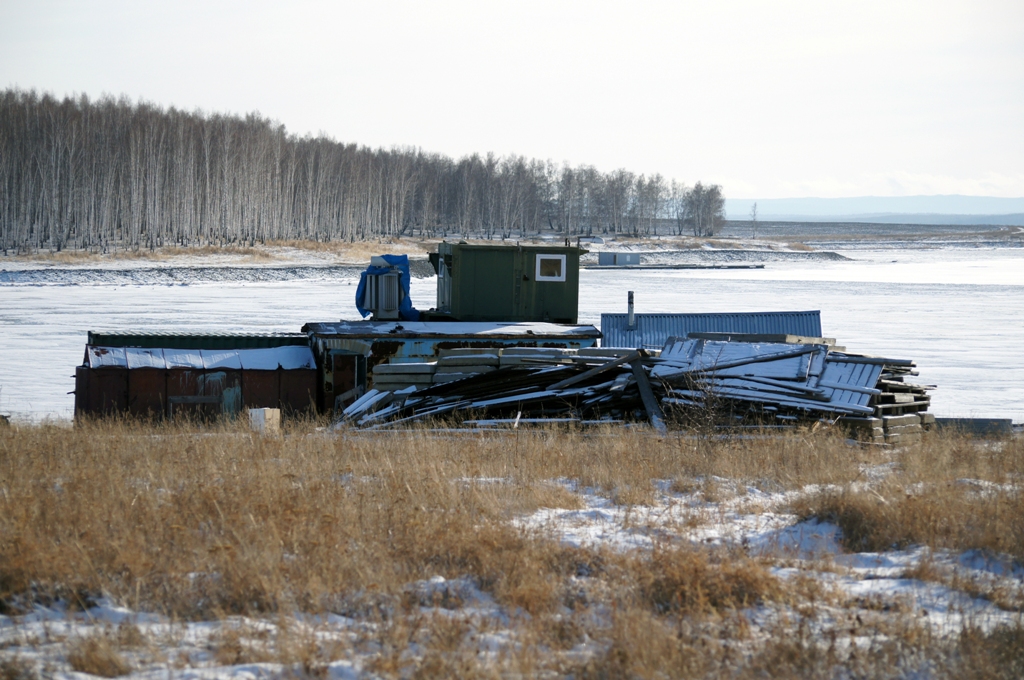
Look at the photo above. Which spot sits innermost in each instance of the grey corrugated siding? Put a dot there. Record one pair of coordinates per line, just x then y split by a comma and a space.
863, 375
652, 330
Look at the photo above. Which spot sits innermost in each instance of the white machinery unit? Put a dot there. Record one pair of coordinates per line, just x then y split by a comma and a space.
384, 295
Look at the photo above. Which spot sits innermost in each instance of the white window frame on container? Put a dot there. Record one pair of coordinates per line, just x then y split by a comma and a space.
561, 267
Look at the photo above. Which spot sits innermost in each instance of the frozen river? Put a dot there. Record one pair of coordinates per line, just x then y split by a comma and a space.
958, 313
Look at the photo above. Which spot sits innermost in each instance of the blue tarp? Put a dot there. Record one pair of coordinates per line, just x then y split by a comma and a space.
405, 310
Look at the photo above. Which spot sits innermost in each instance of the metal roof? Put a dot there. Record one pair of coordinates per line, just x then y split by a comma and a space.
289, 357
798, 376
652, 331
105, 357
481, 330
196, 340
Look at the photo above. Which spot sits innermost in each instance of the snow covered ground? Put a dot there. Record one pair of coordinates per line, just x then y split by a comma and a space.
870, 588
956, 311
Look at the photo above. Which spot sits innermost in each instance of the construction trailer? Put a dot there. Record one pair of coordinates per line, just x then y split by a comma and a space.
507, 283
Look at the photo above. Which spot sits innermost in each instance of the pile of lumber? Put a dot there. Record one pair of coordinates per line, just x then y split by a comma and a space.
734, 381
457, 364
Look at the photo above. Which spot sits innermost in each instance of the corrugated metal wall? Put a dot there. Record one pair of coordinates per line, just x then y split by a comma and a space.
652, 330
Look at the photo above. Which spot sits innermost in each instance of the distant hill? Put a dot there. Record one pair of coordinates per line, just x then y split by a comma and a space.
950, 209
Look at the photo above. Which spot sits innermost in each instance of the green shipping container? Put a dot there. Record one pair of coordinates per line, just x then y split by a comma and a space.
508, 283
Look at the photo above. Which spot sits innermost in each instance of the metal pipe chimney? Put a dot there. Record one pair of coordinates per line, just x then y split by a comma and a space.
631, 320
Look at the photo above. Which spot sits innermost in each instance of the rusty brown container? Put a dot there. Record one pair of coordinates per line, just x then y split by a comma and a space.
261, 389
298, 391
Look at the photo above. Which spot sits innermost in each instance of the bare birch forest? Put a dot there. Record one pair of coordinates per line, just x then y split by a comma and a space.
113, 174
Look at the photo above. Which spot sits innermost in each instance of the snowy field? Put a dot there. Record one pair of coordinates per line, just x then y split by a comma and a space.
958, 312
875, 599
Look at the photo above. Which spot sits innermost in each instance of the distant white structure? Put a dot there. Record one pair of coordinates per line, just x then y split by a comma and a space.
613, 259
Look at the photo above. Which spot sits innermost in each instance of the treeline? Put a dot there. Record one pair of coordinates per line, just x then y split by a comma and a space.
108, 174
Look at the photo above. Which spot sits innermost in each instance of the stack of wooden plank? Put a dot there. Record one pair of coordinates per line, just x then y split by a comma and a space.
451, 366
398, 376
736, 382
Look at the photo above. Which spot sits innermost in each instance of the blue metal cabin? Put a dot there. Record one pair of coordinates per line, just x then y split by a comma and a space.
652, 331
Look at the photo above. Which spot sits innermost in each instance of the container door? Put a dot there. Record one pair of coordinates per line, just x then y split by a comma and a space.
348, 378
484, 285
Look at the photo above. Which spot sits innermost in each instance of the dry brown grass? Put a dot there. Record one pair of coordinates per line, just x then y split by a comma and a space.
685, 580
72, 257
360, 252
97, 655
198, 522
17, 668
799, 247
995, 655
948, 492
201, 523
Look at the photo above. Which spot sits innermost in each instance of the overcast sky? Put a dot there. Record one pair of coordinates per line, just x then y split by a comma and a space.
769, 99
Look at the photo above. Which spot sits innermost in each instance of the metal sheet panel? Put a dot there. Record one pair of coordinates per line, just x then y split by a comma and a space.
108, 390
184, 382
226, 384
859, 376
298, 391
261, 389
147, 392
651, 331
82, 405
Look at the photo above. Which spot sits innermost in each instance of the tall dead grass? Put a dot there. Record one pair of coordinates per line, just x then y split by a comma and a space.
97, 655
206, 522
197, 522
949, 492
